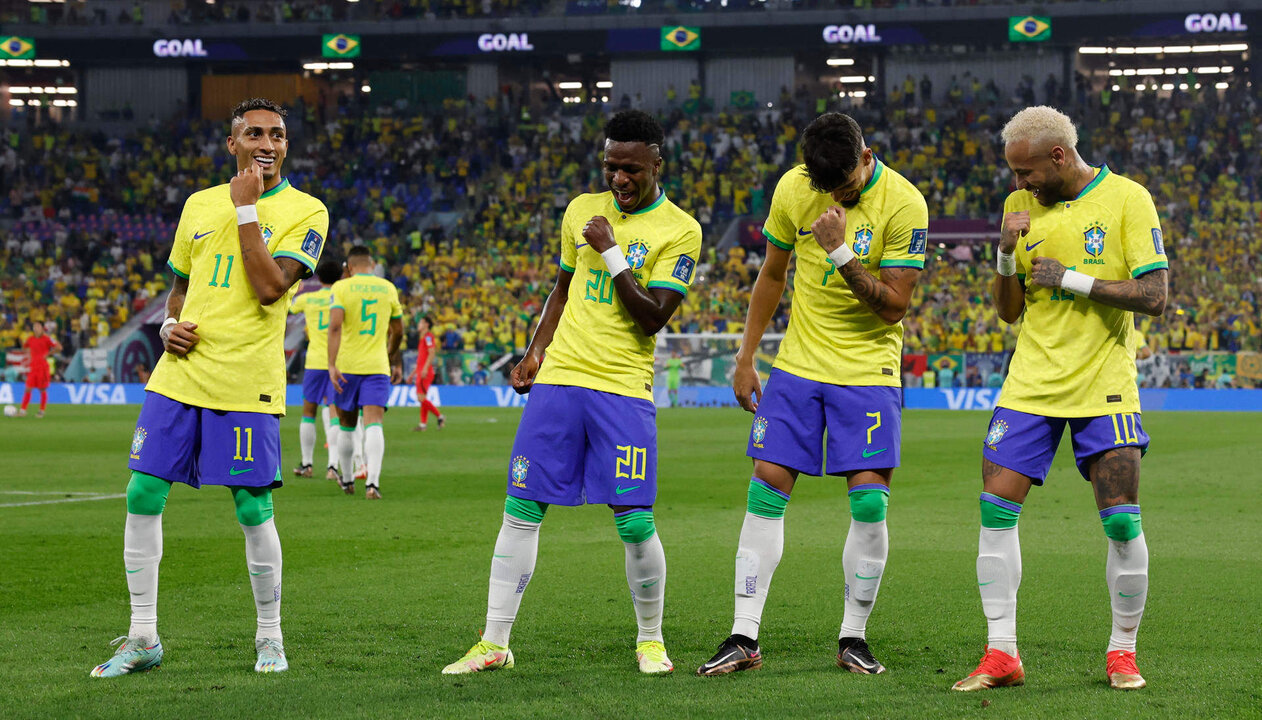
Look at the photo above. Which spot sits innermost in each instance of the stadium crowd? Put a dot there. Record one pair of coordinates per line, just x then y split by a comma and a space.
462, 207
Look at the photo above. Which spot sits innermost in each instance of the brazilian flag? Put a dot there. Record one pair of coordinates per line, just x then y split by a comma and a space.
741, 99
681, 38
17, 48
341, 46
1029, 28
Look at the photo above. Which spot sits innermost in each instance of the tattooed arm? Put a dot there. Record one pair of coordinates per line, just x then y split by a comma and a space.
889, 295
1145, 294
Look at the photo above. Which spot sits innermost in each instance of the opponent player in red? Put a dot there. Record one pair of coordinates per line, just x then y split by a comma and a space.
38, 345
426, 352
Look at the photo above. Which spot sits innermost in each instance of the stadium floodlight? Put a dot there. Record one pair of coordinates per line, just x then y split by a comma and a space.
1149, 50
1115, 72
365, 88
1168, 86
1221, 85
854, 78
1149, 71
316, 66
34, 103
1141, 88
1183, 71
1116, 88
1207, 70
19, 90
21, 63
1205, 48
604, 98
1093, 50
1124, 50
1177, 49
570, 85
47, 63
838, 62
1226, 69
859, 93
342, 66
16, 103
67, 90
604, 84
1235, 47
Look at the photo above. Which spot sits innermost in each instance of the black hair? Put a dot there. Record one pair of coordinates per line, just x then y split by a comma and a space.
359, 251
428, 320
831, 147
246, 106
330, 269
635, 126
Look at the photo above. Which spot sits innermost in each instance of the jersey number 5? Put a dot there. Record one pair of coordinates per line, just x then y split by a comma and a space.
369, 318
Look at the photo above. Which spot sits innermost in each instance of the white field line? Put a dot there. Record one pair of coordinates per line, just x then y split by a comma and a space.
62, 500
47, 492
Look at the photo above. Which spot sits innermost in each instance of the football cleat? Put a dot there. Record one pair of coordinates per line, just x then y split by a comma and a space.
735, 653
302, 471
651, 654
481, 657
853, 654
361, 470
333, 474
133, 656
271, 656
39, 414
442, 421
347, 487
1123, 672
996, 669
419, 428
372, 493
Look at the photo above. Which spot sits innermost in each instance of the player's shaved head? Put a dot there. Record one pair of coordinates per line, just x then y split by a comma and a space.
1042, 127
635, 126
360, 257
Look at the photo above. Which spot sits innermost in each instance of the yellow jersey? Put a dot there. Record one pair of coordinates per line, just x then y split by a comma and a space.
833, 337
1076, 357
597, 345
239, 364
315, 307
370, 303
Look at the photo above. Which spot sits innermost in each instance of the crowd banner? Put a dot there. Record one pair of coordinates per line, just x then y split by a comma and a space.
689, 396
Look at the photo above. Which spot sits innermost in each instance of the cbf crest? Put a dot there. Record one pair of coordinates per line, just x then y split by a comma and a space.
863, 239
518, 470
268, 231
138, 442
998, 429
760, 430
1093, 234
637, 253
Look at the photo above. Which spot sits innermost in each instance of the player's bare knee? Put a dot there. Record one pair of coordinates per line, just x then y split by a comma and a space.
1005, 483
777, 476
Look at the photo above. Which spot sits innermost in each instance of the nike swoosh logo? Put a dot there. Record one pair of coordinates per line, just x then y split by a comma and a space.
132, 572
502, 556
861, 577
260, 572
867, 454
1122, 594
734, 654
1029, 247
234, 472
580, 245
648, 585
804, 232
199, 237
622, 491
985, 583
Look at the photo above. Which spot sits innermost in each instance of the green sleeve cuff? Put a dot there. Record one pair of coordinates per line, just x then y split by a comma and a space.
304, 260
176, 270
565, 267
682, 290
772, 239
918, 264
1145, 269
337, 306
396, 317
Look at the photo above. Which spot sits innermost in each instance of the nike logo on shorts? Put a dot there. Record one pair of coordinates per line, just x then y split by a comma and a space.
622, 491
234, 472
867, 454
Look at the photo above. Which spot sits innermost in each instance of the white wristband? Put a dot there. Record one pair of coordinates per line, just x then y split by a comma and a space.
1006, 263
1077, 283
247, 214
615, 260
842, 255
165, 325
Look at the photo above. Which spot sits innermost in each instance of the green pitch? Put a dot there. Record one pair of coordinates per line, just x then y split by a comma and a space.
380, 595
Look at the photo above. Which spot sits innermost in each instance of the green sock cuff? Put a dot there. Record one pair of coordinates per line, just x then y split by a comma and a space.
999, 513
345, 429
372, 425
635, 526
765, 501
1121, 522
527, 510
868, 503
146, 494
254, 504
309, 420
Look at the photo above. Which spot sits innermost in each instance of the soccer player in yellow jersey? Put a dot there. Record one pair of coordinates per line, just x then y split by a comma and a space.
365, 329
213, 405
859, 230
588, 433
1080, 251
316, 308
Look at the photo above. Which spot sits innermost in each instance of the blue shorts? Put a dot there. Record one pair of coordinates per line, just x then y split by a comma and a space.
362, 390
863, 423
576, 446
1027, 443
196, 446
316, 387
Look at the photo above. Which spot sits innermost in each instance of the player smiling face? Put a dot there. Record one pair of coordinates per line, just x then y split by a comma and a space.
1038, 169
631, 169
259, 137
1040, 144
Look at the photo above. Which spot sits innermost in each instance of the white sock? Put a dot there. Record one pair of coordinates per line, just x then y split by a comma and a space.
1127, 572
646, 576
262, 557
142, 552
359, 445
998, 577
375, 451
306, 440
511, 567
332, 432
757, 555
346, 453
863, 560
